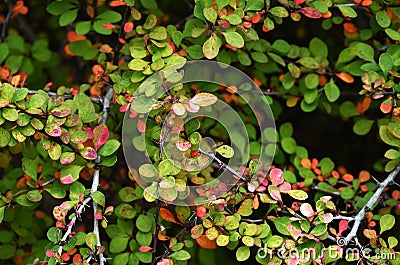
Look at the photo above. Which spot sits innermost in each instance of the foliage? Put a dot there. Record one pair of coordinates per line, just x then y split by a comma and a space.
67, 195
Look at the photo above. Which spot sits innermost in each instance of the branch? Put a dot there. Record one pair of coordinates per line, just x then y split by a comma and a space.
360, 216
6, 20
79, 210
155, 235
98, 100
222, 164
96, 175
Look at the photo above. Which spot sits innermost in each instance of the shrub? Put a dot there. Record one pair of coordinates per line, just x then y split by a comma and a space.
143, 132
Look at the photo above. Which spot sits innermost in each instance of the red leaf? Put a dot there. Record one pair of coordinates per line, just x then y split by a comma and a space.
100, 136
124, 107
285, 187
49, 253
141, 126
145, 249
98, 216
201, 211
310, 12
183, 145
67, 179
299, 2
343, 225
128, 26
276, 175
108, 26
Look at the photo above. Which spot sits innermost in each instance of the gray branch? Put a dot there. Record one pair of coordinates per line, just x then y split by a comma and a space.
361, 215
222, 164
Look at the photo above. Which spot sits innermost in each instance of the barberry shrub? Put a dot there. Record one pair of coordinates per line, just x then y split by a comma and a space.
78, 78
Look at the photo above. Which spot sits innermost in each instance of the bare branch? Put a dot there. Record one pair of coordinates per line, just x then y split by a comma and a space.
223, 165
361, 215
79, 210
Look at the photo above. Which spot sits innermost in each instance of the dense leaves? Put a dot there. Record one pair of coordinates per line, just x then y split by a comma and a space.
71, 70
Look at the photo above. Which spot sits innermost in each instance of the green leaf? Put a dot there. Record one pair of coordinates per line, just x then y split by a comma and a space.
99, 198
210, 14
279, 11
10, 114
242, 253
234, 39
225, 150
5, 137
365, 51
109, 148
121, 259
386, 222
383, 19
385, 62
255, 5
159, 33
144, 223
394, 35
346, 55
180, 255
309, 62
318, 47
4, 51
34, 195
91, 241
118, 244
392, 154
348, 11
83, 27
362, 126
70, 173
298, 194
348, 109
326, 164
274, 241
332, 91
68, 17
211, 47
138, 65
347, 193
289, 145
281, 224
7, 251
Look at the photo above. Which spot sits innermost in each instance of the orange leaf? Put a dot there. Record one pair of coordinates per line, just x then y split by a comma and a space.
97, 69
168, 216
345, 77
348, 177
117, 3
206, 243
305, 162
363, 106
72, 36
364, 176
349, 27
128, 26
396, 195
387, 105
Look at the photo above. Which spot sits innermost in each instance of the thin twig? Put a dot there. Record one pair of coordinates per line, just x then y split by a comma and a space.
98, 100
155, 235
96, 175
361, 215
6, 20
223, 165
79, 210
